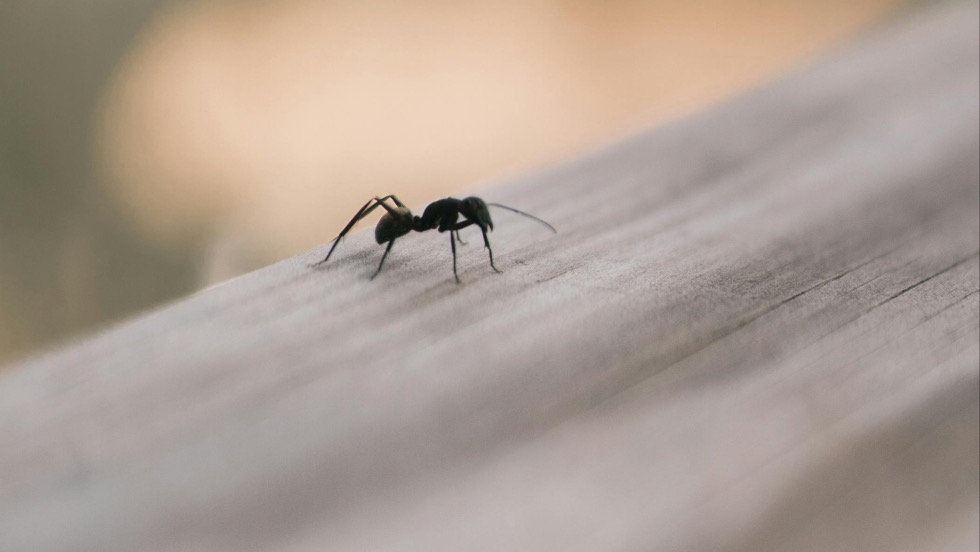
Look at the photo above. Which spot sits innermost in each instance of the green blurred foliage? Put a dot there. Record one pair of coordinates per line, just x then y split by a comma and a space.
69, 261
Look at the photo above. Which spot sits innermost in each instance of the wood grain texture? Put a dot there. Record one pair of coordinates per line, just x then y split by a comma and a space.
756, 330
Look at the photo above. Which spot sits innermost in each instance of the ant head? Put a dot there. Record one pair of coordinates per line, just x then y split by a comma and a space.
476, 210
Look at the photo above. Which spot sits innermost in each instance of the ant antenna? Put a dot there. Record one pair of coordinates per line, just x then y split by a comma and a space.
530, 216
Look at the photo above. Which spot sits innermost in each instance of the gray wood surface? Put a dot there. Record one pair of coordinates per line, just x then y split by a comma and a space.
756, 330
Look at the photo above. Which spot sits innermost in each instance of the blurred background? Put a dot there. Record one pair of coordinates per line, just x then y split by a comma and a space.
150, 148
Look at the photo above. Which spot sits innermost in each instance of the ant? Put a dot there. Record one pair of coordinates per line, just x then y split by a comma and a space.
442, 214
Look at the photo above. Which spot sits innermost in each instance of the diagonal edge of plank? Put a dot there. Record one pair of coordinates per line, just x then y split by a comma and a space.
756, 330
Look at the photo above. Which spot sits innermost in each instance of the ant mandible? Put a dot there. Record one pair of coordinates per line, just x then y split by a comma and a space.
442, 215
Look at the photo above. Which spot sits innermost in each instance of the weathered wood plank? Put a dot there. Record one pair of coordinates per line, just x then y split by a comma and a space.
757, 330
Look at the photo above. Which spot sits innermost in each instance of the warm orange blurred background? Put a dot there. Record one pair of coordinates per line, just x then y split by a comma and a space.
150, 148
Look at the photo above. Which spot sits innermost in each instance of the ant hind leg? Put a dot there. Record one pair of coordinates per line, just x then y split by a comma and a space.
361, 213
383, 257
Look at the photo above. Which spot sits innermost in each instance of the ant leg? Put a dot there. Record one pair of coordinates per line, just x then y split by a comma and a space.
382, 200
383, 257
363, 212
454, 229
452, 242
459, 239
486, 242
395, 199
459, 226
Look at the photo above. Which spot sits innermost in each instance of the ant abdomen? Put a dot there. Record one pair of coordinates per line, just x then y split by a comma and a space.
394, 224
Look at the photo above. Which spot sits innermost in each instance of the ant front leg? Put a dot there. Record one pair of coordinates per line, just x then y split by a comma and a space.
452, 243
459, 239
486, 243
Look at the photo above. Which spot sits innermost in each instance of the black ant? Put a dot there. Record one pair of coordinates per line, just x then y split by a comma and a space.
442, 215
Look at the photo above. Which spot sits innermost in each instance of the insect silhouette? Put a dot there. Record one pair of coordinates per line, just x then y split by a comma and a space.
442, 215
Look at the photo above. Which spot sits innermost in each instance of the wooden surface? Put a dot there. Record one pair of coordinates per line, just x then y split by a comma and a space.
756, 330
